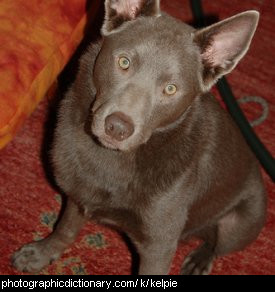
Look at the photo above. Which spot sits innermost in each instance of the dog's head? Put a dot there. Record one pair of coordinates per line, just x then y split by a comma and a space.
151, 67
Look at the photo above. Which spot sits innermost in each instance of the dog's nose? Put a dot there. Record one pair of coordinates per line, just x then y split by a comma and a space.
119, 126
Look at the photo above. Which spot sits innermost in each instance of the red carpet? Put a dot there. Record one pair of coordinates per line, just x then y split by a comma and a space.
29, 205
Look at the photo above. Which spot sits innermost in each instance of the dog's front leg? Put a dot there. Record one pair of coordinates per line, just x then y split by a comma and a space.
35, 256
156, 258
157, 250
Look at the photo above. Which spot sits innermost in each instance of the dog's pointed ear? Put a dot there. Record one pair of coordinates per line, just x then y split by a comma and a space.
222, 45
119, 11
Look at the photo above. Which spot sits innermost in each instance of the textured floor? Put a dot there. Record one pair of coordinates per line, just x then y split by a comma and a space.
29, 205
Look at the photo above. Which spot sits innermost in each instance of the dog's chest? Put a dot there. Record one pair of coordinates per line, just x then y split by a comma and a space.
120, 210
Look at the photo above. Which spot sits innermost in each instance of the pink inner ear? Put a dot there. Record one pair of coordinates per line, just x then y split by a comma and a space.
128, 8
228, 44
223, 48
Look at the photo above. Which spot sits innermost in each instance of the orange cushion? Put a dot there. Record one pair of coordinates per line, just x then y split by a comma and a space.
36, 40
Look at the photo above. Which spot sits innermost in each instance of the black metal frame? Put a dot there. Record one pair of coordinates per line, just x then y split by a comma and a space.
227, 95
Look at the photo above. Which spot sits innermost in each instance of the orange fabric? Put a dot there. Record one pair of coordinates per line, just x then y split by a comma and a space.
37, 38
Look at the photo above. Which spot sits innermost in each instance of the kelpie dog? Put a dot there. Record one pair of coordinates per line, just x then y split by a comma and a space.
142, 146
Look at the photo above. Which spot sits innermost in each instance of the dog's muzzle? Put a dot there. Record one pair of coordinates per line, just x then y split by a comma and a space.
119, 126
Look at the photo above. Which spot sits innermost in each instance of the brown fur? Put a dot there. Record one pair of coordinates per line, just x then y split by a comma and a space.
186, 170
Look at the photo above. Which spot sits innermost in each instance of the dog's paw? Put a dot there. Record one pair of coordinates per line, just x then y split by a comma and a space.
32, 258
199, 262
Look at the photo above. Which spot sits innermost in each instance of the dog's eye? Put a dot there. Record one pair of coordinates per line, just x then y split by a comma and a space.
124, 63
170, 89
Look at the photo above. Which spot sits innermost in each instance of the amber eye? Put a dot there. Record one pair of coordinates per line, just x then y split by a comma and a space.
170, 89
124, 63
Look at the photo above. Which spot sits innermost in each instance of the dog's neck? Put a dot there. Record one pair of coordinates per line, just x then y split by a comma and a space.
175, 124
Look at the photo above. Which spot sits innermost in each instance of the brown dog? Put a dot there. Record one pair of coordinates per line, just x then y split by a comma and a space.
141, 145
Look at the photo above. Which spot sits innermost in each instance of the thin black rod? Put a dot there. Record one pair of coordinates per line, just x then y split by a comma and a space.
197, 10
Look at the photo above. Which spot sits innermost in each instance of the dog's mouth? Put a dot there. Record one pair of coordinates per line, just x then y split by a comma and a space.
103, 136
108, 143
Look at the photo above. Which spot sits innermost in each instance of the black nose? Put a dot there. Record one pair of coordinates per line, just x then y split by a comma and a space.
119, 126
